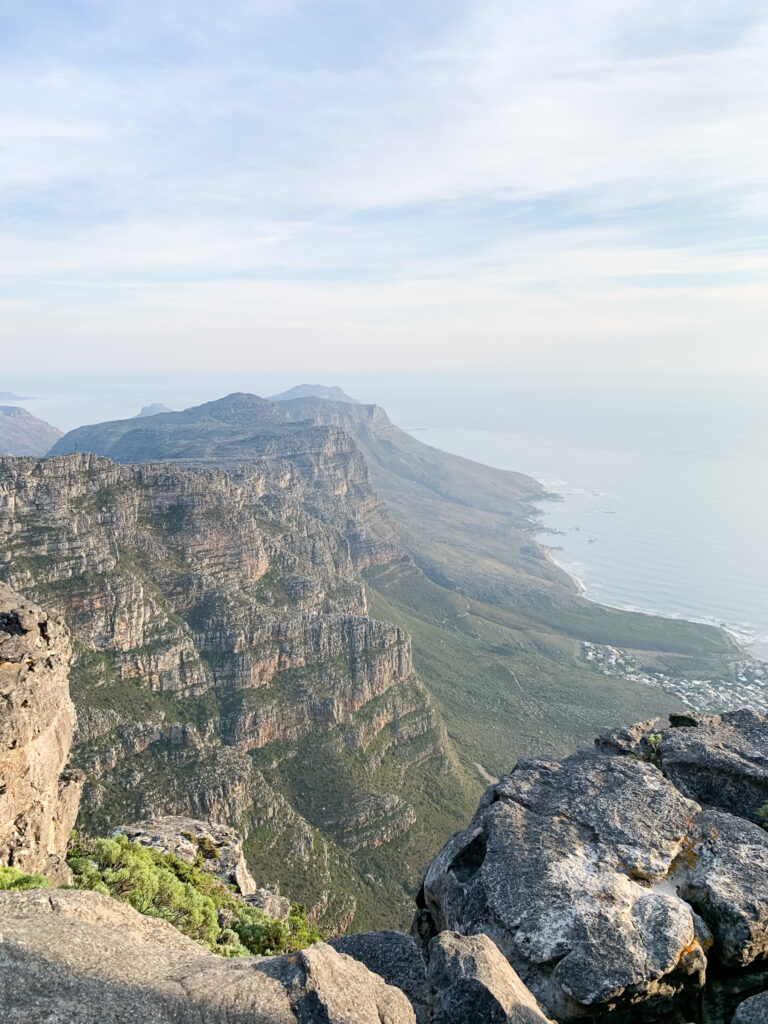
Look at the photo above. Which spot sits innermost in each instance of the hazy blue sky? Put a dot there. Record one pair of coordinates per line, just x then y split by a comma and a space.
526, 184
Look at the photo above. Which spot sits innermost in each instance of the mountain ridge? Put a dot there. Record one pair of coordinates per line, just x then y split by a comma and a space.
21, 433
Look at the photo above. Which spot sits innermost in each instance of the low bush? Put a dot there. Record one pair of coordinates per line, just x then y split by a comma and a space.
12, 878
162, 885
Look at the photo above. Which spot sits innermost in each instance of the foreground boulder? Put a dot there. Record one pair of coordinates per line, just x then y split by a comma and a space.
39, 798
558, 868
326, 986
457, 979
398, 958
724, 873
82, 958
471, 981
718, 760
610, 889
753, 1011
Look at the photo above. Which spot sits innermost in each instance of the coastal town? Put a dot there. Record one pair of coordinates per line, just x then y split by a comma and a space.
748, 686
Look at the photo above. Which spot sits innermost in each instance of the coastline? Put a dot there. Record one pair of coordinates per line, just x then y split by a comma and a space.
742, 638
581, 587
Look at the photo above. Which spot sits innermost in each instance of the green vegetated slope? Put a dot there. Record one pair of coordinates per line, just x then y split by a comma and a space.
496, 625
496, 632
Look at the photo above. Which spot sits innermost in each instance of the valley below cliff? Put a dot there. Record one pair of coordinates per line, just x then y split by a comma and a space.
297, 620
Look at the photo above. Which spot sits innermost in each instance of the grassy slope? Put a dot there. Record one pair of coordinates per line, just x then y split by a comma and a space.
496, 625
503, 691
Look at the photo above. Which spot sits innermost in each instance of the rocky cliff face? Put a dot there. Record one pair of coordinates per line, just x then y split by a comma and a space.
225, 665
39, 797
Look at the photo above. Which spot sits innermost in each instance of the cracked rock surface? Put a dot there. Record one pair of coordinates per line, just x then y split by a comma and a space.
612, 880
69, 957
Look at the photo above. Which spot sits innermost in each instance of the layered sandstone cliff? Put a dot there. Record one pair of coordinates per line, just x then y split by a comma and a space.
225, 664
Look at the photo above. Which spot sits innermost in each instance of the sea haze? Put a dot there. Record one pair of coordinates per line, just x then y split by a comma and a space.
663, 494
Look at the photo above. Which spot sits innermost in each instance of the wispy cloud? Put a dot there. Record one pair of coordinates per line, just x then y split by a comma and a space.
408, 176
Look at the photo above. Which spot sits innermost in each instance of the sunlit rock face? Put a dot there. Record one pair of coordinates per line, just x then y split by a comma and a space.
613, 893
117, 965
39, 797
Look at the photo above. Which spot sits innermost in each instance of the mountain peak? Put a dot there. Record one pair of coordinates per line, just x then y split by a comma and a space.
154, 409
330, 393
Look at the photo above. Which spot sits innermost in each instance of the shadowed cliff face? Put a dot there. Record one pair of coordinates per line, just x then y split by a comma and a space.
225, 664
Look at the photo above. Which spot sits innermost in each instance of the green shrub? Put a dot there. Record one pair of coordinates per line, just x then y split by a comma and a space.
207, 848
265, 935
12, 878
162, 885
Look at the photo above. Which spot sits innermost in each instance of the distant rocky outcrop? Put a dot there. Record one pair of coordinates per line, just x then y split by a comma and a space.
39, 797
218, 849
152, 410
328, 393
213, 847
21, 433
612, 881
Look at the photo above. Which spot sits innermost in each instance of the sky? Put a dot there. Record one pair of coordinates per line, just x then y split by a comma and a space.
482, 186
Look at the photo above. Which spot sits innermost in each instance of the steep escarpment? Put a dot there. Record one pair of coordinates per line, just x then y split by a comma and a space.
323, 462
482, 600
226, 667
479, 597
39, 795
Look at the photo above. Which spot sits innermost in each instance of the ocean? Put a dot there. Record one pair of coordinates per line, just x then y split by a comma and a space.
661, 496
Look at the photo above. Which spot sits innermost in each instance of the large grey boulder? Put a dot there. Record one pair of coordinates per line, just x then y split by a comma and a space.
271, 903
562, 867
326, 987
472, 982
723, 873
71, 957
718, 760
753, 1011
397, 958
39, 797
